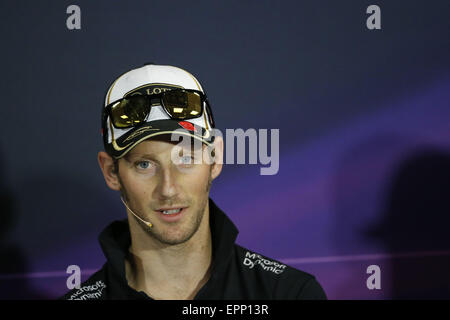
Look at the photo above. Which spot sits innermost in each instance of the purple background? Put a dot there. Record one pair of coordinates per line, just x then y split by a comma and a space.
364, 133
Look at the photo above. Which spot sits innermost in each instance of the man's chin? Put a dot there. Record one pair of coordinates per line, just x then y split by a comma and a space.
173, 239
168, 235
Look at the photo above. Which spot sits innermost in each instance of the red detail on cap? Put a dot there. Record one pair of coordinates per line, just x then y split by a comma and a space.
102, 131
187, 125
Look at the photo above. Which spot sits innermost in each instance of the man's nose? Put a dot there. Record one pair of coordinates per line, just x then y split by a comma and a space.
168, 185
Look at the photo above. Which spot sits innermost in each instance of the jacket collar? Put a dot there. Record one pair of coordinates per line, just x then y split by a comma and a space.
115, 241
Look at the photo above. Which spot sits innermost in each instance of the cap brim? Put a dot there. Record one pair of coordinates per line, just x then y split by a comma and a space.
120, 147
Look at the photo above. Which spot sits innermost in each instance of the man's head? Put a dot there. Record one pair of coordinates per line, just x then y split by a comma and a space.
150, 170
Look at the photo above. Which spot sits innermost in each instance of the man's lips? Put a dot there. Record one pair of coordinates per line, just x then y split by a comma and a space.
170, 208
172, 217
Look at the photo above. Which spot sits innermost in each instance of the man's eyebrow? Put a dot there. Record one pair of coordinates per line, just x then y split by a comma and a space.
197, 146
193, 151
193, 148
128, 156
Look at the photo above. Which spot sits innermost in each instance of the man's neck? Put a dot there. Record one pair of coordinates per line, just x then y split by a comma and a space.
169, 271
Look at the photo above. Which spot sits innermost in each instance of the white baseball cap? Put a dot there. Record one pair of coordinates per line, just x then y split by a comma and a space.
146, 80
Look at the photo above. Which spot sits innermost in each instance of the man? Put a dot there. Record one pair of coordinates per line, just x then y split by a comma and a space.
175, 243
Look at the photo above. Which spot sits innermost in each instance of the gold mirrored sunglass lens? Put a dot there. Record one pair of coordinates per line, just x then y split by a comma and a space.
183, 104
129, 112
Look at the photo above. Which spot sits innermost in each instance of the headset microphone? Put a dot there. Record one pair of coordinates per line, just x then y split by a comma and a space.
146, 223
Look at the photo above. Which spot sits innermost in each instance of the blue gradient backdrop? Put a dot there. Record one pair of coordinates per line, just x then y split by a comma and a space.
364, 125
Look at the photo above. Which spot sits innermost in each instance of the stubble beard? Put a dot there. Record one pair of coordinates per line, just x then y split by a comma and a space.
163, 237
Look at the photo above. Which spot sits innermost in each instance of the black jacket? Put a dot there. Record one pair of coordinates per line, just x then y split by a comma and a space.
237, 273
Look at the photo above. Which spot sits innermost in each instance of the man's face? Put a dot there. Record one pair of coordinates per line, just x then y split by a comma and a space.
151, 181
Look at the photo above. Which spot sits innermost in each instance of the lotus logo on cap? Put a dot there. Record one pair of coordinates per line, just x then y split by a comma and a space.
152, 88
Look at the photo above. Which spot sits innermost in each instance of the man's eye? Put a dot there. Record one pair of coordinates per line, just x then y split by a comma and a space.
187, 160
143, 164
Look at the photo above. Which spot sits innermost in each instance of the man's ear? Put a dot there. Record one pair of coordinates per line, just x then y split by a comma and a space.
218, 157
107, 165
